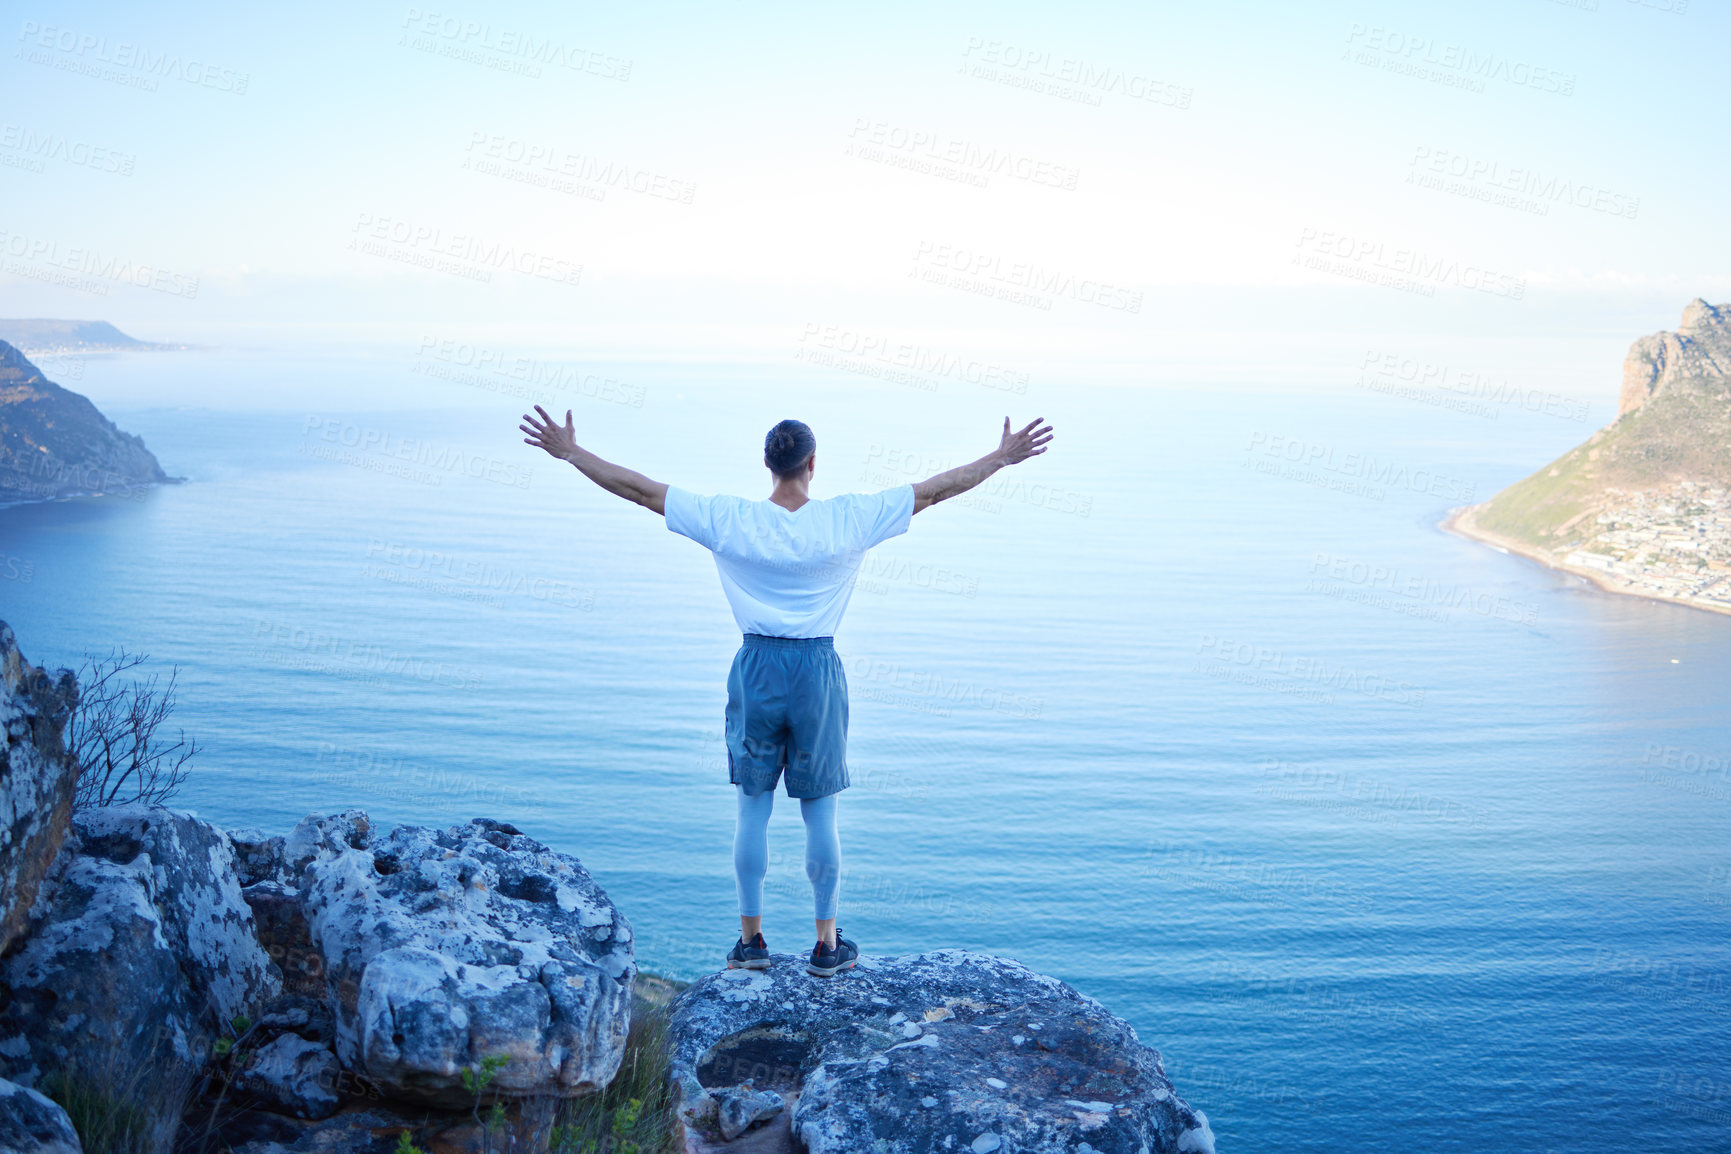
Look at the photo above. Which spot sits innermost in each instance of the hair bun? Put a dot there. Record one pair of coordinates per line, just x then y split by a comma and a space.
788, 446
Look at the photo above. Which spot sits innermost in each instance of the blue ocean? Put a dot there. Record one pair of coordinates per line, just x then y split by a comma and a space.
1387, 840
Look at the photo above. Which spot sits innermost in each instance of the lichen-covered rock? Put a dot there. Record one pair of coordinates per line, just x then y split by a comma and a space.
949, 1052
32, 1124
739, 1112
257, 857
140, 950
445, 947
298, 1014
37, 779
294, 1075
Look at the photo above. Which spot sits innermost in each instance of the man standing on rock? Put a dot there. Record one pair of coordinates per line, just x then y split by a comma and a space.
787, 565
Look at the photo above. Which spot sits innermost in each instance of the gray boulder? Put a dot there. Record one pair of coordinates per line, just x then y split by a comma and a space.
257, 858
739, 1112
444, 947
293, 1075
309, 1017
948, 1051
31, 1124
37, 778
141, 949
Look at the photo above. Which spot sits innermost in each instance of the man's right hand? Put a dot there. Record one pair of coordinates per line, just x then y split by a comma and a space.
1024, 443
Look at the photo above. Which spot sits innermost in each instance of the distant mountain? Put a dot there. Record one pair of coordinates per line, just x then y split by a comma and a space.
1644, 506
54, 442
55, 336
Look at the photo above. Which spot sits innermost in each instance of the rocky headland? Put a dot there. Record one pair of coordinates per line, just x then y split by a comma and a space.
43, 335
350, 987
55, 443
1643, 507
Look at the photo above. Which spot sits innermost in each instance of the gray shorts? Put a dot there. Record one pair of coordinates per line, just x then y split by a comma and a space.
787, 710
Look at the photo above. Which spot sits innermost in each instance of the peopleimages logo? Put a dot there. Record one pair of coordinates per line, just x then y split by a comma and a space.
35, 147
1365, 259
1267, 666
1525, 187
475, 578
555, 162
87, 53
434, 248
922, 361
1453, 64
474, 40
1470, 384
1359, 466
923, 683
1049, 72
1415, 588
1022, 275
1688, 760
888, 142
540, 378
314, 650
889, 466
391, 447
88, 269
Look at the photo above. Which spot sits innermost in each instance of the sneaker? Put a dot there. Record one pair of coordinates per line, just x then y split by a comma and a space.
827, 961
752, 955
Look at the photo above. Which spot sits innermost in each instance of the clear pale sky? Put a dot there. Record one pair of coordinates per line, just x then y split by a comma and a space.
1207, 146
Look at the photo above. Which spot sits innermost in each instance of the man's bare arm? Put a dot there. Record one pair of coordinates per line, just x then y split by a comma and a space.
1013, 448
561, 441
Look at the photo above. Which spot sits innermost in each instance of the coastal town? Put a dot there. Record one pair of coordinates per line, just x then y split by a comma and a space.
1674, 543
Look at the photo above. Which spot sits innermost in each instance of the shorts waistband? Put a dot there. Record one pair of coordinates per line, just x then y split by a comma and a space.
764, 639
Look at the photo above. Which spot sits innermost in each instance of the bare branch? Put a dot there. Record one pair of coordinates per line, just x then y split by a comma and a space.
113, 734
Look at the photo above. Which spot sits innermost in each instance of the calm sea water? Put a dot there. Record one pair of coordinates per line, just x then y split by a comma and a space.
1388, 841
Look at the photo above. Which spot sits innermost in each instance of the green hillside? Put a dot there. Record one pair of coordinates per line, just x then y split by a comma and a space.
55, 443
1682, 434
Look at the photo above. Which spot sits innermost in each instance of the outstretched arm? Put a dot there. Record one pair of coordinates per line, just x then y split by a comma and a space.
561, 441
1014, 447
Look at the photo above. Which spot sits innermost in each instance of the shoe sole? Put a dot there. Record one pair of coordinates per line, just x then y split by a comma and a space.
733, 965
820, 972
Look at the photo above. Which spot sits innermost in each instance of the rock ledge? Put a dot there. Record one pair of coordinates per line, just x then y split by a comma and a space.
947, 1051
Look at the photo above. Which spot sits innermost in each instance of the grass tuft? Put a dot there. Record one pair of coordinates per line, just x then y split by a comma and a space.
130, 1111
635, 1113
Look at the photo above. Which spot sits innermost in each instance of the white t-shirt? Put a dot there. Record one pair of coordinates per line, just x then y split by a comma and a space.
789, 574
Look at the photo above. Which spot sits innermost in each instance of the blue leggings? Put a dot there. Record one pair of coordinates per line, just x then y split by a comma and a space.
751, 851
